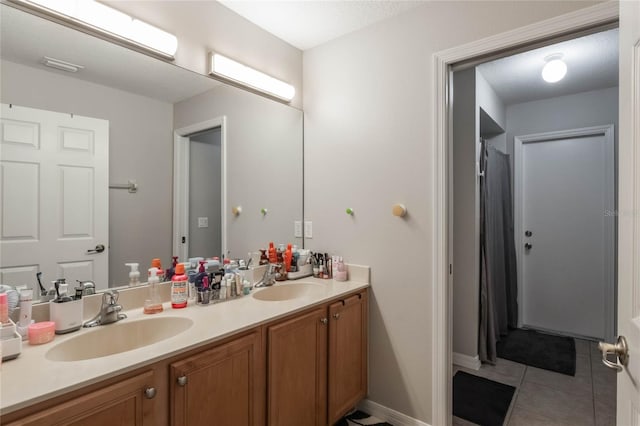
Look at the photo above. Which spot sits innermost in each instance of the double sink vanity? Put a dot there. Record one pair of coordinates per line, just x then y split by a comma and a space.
293, 353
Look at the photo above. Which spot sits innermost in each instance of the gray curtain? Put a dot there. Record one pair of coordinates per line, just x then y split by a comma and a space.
498, 279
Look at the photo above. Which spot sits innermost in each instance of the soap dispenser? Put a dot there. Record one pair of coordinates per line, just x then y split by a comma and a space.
153, 305
134, 275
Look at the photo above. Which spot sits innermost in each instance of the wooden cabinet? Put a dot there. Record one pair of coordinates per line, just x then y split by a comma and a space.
347, 355
121, 404
307, 369
317, 364
297, 366
223, 385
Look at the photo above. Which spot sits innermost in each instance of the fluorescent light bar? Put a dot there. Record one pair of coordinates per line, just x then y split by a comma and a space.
110, 21
232, 70
61, 65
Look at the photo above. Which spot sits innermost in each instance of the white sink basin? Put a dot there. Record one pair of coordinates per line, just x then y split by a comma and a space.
119, 337
281, 292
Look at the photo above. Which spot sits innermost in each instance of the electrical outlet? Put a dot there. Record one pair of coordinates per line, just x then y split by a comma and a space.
297, 229
308, 229
203, 222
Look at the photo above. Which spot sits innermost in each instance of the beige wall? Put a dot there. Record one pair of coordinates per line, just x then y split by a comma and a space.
140, 148
368, 145
202, 26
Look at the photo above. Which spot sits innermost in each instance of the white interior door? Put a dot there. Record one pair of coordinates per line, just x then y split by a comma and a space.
566, 231
628, 396
54, 194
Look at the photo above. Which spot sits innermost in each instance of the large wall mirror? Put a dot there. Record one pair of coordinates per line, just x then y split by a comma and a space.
57, 186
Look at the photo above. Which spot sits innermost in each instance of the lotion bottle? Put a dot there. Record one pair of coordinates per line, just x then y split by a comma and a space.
179, 288
153, 305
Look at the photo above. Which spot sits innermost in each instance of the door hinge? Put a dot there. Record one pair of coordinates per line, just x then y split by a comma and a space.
450, 269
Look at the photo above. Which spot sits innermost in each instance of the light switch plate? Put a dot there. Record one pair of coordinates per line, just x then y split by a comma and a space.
308, 229
203, 222
297, 229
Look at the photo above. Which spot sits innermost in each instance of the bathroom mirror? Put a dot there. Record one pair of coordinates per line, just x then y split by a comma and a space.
145, 100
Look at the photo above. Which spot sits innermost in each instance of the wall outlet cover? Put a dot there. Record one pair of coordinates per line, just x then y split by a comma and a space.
297, 229
203, 222
308, 229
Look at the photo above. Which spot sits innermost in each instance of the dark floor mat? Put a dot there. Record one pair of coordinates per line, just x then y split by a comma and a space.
480, 400
530, 347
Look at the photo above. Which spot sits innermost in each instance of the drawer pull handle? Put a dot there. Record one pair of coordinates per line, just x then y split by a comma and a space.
336, 316
150, 393
182, 380
324, 321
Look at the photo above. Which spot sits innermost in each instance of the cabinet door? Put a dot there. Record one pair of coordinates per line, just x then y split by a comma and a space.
220, 386
297, 368
347, 354
120, 404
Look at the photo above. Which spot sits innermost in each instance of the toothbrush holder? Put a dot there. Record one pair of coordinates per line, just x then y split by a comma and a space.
66, 315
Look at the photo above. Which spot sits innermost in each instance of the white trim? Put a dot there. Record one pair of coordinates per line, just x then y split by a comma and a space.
609, 205
181, 182
386, 414
599, 14
466, 361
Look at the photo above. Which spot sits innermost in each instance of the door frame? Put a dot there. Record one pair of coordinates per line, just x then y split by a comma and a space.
530, 36
610, 206
181, 182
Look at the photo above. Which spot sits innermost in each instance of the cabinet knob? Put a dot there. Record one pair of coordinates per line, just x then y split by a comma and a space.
182, 380
336, 315
324, 321
150, 393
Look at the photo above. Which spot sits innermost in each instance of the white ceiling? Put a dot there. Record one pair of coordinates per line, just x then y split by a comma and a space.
592, 63
306, 24
26, 39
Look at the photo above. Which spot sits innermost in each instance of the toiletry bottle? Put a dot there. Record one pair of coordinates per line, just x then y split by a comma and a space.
4, 308
156, 263
288, 255
153, 305
264, 260
170, 272
273, 256
26, 301
134, 275
179, 288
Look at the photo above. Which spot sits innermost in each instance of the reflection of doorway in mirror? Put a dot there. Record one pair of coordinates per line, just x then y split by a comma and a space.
54, 193
209, 224
205, 194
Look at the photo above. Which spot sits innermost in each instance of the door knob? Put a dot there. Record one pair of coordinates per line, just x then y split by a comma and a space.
528, 246
150, 393
99, 249
182, 380
620, 349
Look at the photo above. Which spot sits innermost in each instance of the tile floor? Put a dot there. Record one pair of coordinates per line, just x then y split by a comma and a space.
546, 398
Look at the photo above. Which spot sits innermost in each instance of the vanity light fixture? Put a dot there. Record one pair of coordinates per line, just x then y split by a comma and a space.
555, 69
61, 65
106, 21
247, 76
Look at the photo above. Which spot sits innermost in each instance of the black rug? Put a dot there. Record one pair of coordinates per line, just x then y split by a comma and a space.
480, 400
530, 347
360, 418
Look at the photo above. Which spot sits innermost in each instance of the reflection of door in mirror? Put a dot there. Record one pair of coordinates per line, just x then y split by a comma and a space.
205, 194
54, 192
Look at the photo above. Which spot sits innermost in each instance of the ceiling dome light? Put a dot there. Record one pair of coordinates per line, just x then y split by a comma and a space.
555, 69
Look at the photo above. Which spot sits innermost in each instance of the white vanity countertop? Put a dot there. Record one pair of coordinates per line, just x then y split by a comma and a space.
32, 378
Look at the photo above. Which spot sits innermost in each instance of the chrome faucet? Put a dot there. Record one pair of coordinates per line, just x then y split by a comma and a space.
109, 310
269, 277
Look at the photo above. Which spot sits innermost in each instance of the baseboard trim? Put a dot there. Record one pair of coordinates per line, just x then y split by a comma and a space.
386, 414
462, 360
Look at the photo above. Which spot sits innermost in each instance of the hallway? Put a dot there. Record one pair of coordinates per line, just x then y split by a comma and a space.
547, 398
